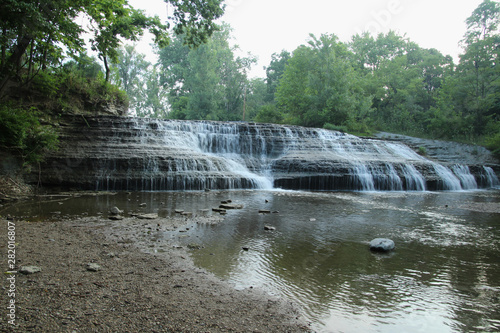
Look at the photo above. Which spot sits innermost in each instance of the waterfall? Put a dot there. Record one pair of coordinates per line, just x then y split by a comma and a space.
467, 180
414, 181
112, 153
449, 180
490, 177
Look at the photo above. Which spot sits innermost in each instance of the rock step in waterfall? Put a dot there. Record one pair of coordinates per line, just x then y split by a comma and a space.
119, 153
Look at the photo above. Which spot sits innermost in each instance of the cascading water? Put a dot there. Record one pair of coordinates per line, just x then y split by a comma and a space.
111, 153
467, 180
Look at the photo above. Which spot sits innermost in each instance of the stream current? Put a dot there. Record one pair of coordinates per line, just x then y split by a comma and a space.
442, 277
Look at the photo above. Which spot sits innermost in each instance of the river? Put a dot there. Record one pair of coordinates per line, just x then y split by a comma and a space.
442, 277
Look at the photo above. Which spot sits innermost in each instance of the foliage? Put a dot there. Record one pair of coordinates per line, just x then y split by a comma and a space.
387, 82
320, 86
207, 82
38, 35
21, 130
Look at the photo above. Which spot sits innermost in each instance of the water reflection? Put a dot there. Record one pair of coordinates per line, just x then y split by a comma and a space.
443, 277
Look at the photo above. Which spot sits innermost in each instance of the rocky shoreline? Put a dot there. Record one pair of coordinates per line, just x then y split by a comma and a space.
125, 289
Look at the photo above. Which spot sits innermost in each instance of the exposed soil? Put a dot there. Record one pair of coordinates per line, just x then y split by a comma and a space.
13, 188
133, 291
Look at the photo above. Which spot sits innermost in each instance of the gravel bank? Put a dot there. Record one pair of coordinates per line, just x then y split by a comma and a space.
132, 291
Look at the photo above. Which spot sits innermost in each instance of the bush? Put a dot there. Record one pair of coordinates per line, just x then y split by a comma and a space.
332, 127
21, 130
493, 144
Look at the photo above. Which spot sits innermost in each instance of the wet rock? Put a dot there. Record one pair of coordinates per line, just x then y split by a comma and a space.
269, 228
143, 204
147, 216
382, 245
179, 211
30, 269
245, 248
231, 206
219, 210
264, 211
116, 211
93, 267
116, 217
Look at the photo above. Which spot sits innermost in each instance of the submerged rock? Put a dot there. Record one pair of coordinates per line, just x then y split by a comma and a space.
231, 206
382, 245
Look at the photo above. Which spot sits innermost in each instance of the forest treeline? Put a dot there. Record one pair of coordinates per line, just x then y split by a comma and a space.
370, 83
385, 82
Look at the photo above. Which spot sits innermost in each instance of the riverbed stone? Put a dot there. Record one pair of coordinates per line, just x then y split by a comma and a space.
115, 211
29, 270
93, 267
231, 206
382, 245
147, 216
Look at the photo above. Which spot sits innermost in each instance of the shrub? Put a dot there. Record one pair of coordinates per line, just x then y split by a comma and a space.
21, 130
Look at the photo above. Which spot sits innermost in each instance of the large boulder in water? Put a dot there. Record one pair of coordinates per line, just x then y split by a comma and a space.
382, 245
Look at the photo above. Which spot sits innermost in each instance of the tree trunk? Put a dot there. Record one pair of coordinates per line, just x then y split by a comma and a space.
106, 66
13, 61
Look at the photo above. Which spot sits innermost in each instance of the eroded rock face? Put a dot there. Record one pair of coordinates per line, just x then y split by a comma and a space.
118, 153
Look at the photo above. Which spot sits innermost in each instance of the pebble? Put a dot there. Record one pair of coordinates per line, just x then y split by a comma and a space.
93, 267
116, 211
30, 269
148, 216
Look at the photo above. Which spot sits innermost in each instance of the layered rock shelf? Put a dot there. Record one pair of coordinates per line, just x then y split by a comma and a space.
120, 153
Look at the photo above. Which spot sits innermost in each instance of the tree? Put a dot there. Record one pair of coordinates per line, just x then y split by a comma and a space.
473, 91
37, 34
207, 82
34, 32
113, 20
320, 86
274, 72
131, 71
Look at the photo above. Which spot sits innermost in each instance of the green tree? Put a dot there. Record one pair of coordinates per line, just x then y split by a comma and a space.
207, 82
274, 72
44, 32
469, 101
32, 34
320, 86
131, 74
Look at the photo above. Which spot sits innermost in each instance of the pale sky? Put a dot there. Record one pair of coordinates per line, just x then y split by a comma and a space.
264, 27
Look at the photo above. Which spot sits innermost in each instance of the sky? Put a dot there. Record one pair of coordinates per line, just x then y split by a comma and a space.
264, 27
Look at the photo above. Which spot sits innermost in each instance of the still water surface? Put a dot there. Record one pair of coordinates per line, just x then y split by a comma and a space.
444, 275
